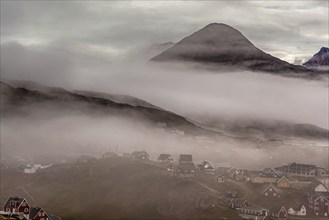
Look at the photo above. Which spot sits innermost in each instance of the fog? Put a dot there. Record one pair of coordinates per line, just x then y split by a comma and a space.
187, 91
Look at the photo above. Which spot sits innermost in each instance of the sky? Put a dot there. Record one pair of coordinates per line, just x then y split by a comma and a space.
115, 30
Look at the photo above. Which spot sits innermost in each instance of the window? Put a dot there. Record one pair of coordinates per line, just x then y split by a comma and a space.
26, 210
266, 194
12, 204
7, 209
274, 194
270, 189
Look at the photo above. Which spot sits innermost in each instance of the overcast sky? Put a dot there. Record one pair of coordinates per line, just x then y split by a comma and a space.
114, 30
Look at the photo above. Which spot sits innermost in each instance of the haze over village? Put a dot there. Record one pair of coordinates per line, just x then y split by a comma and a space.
164, 110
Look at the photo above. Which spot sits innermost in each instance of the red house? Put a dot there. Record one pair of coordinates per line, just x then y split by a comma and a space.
17, 205
271, 192
38, 214
278, 213
319, 204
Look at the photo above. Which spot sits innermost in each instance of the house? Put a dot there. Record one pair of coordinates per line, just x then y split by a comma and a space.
86, 159
219, 178
17, 205
318, 203
283, 182
319, 187
297, 209
187, 169
185, 158
241, 175
141, 155
321, 172
165, 158
238, 203
170, 167
231, 196
231, 172
38, 214
254, 213
264, 178
30, 170
109, 155
177, 132
270, 172
206, 167
298, 169
270, 191
278, 213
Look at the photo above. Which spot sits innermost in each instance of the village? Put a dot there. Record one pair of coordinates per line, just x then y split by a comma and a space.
292, 191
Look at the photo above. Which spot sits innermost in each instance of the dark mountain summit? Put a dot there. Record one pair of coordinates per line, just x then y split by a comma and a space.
319, 59
222, 45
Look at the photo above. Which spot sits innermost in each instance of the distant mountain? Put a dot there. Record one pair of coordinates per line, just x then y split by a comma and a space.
222, 45
320, 60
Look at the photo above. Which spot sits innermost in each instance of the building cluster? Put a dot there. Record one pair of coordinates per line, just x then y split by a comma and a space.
18, 208
33, 168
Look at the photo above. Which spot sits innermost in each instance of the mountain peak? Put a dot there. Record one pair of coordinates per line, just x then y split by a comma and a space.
222, 45
319, 59
324, 50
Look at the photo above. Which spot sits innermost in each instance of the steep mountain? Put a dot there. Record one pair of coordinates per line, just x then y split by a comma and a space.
320, 60
222, 45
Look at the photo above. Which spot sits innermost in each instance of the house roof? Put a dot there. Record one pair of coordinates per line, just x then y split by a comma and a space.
239, 202
297, 206
263, 189
140, 153
17, 200
185, 157
252, 208
86, 157
187, 166
34, 211
283, 178
164, 157
276, 208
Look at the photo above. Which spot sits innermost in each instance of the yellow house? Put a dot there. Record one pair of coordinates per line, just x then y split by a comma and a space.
283, 182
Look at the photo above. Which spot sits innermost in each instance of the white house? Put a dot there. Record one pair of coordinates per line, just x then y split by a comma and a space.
30, 170
321, 188
297, 209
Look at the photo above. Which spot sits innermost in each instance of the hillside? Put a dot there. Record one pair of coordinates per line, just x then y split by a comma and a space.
221, 45
320, 60
53, 102
117, 189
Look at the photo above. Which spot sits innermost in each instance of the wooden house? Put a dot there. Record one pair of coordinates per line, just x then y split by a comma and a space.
318, 203
238, 203
170, 167
270, 172
264, 178
17, 205
297, 209
219, 178
283, 182
38, 214
185, 158
270, 191
187, 169
206, 167
141, 155
278, 213
254, 213
165, 158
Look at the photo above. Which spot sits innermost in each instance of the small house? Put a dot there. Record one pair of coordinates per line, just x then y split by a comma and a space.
17, 205
141, 155
270, 172
185, 158
283, 182
165, 158
206, 167
170, 167
30, 170
161, 124
278, 213
220, 178
38, 214
238, 203
319, 203
297, 209
249, 212
187, 169
270, 191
